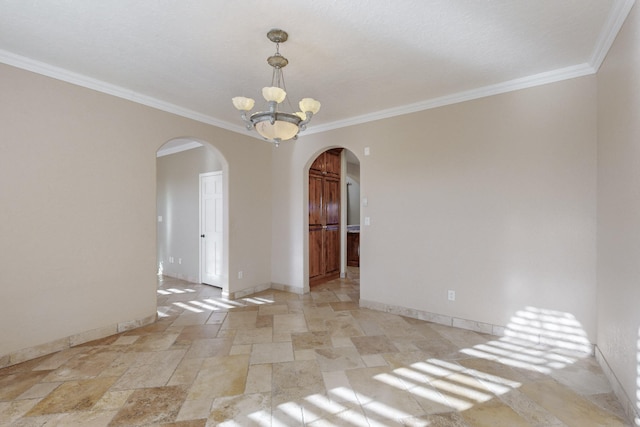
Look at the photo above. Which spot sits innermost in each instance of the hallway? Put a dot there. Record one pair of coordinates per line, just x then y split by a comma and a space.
282, 359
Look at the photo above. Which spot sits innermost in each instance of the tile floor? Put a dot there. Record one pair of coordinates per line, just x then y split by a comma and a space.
280, 359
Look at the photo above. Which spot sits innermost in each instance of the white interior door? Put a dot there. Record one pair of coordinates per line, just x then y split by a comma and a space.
211, 242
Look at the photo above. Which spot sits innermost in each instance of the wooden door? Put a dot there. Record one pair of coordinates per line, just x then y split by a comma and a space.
324, 217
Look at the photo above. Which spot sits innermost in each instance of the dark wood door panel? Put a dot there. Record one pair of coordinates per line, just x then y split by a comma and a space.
315, 201
331, 202
332, 250
316, 252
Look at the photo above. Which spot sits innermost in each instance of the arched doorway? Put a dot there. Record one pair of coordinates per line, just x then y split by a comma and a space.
181, 165
333, 216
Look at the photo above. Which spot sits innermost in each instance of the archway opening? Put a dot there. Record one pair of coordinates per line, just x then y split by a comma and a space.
333, 216
185, 168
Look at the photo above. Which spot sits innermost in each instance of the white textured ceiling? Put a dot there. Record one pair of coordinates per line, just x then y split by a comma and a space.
363, 59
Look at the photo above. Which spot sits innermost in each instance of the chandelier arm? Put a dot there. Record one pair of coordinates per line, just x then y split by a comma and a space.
248, 123
303, 124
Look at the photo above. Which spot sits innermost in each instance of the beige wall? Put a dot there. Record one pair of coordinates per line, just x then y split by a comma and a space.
493, 198
619, 208
178, 181
78, 207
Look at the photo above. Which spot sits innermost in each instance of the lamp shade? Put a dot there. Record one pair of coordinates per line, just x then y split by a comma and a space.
242, 103
274, 93
310, 105
279, 130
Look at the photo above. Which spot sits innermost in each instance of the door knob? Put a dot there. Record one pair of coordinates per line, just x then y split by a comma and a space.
202, 235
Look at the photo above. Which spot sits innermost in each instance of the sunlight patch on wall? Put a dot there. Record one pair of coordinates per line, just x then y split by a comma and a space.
537, 339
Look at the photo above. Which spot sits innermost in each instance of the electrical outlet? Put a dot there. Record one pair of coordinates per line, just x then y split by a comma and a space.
179, 260
240, 274
451, 295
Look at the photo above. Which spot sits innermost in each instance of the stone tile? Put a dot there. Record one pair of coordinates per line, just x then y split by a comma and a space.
220, 376
440, 348
245, 410
338, 342
608, 402
151, 405
276, 352
216, 318
322, 412
529, 410
240, 320
112, 400
195, 410
304, 354
300, 374
39, 390
210, 347
271, 309
373, 360
343, 326
186, 371
194, 332
155, 342
240, 349
567, 405
265, 321
58, 359
493, 413
496, 376
461, 338
338, 359
187, 423
150, 370
259, 379
289, 323
447, 419
83, 366
253, 336
125, 340
374, 345
72, 396
343, 305
83, 418
338, 387
310, 340
13, 385
13, 410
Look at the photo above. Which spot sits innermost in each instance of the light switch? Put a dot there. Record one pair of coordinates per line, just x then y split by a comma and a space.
365, 202
367, 151
367, 220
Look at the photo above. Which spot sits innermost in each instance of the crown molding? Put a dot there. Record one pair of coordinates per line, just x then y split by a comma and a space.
612, 26
482, 92
111, 89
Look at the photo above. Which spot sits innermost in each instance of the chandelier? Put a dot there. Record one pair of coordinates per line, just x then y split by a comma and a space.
272, 124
